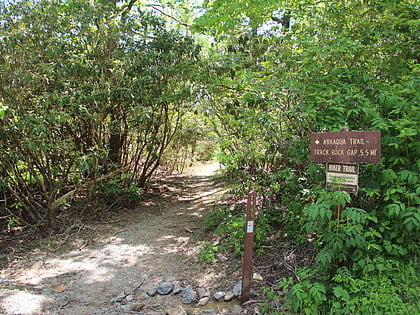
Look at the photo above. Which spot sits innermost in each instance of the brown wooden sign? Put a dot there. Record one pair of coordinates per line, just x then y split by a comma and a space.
346, 147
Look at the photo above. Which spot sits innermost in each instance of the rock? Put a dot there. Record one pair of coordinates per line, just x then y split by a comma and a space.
237, 288
164, 288
209, 311
229, 296
188, 295
257, 276
146, 295
121, 296
176, 311
151, 291
126, 307
188, 288
203, 293
141, 295
129, 298
203, 301
218, 296
137, 307
177, 288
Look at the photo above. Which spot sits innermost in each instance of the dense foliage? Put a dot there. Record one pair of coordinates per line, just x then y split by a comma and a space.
91, 96
95, 95
308, 66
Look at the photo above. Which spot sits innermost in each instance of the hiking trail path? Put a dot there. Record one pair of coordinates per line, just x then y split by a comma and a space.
155, 243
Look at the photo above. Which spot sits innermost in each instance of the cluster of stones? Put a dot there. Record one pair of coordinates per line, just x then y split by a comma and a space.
196, 297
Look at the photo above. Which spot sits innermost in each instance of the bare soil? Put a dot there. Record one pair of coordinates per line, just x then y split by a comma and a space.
93, 262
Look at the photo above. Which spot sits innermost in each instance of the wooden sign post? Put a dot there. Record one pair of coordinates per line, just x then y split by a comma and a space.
249, 246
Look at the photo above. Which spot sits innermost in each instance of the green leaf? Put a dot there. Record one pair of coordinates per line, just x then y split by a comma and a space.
3, 109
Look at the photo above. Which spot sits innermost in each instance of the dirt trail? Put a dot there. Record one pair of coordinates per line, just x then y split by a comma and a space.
156, 247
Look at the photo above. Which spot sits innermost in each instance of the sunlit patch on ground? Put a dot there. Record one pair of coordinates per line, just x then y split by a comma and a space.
161, 245
23, 303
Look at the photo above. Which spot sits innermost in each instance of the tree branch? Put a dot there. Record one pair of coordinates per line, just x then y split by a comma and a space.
154, 7
127, 9
83, 186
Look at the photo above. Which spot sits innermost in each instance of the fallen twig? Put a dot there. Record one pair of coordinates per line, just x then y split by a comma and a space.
249, 302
